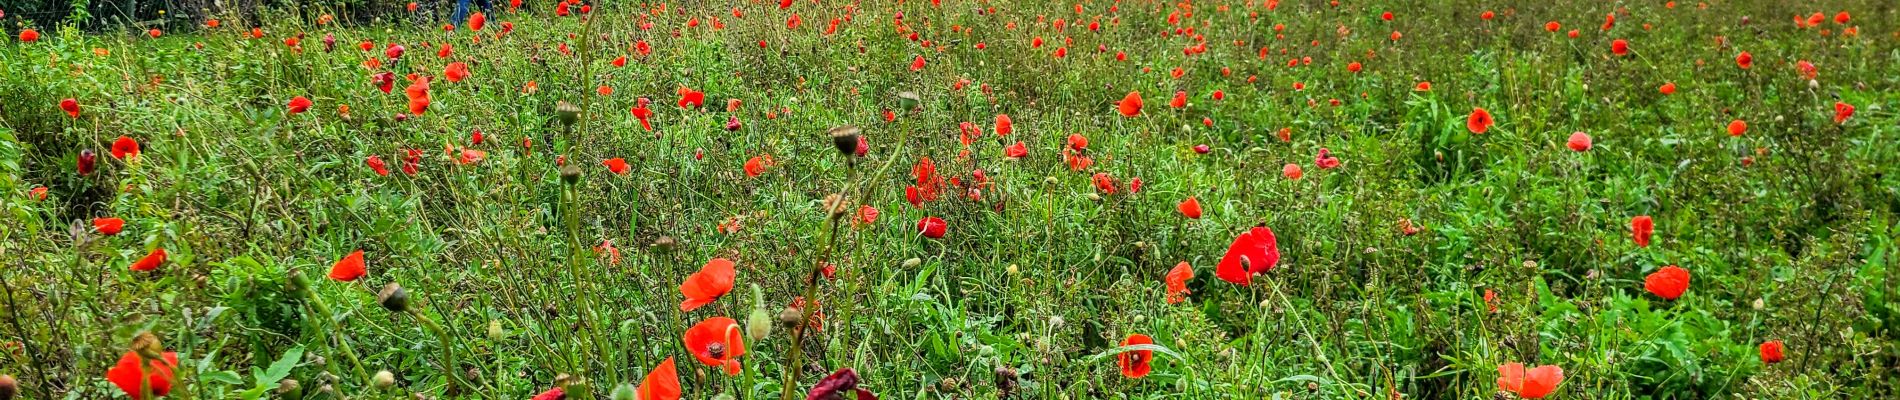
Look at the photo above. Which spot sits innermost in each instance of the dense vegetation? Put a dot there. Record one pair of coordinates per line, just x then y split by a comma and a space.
972, 199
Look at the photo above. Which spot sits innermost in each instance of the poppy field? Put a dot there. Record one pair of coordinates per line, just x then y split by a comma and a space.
951, 199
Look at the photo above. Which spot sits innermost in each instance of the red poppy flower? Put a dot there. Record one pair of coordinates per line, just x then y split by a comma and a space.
663, 383
1180, 100
37, 193
867, 214
1004, 126
135, 376
1745, 60
1130, 105
1292, 171
418, 94
1737, 128
1807, 69
1553, 26
1254, 252
1190, 208
1620, 47
1423, 87
644, 114
1078, 142
917, 64
1540, 382
299, 104
1842, 111
838, 385
1668, 88
1479, 121
1771, 352
1135, 363
1017, 150
29, 36
554, 393
108, 226
477, 20
932, 227
124, 147
703, 287
1487, 15
349, 268
690, 98
716, 342
151, 261
1177, 282
1641, 227
1325, 159
375, 163
1104, 183
394, 51
1579, 142
757, 165
70, 106
456, 72
1668, 282
616, 165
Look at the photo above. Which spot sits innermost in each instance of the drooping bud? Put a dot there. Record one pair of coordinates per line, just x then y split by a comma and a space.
759, 325
909, 100
393, 298
665, 243
845, 138
791, 315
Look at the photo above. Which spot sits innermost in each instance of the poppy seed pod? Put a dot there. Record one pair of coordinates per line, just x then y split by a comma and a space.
570, 174
393, 298
665, 243
791, 315
845, 138
567, 112
909, 100
9, 387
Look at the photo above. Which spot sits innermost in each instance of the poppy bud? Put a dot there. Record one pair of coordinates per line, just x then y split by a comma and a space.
1013, 270
567, 112
624, 391
571, 174
383, 380
845, 138
286, 389
909, 100
912, 262
758, 326
732, 123
9, 387
789, 316
147, 345
494, 330
393, 298
665, 243
86, 162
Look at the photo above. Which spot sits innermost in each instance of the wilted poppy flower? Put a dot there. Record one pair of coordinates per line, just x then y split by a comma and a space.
85, 162
1325, 159
663, 383
70, 106
616, 165
1745, 60
1190, 208
1579, 142
456, 72
1641, 227
932, 227
134, 375
1103, 183
1737, 128
703, 287
124, 147
1540, 382
1135, 363
1668, 282
717, 342
418, 94
1252, 253
1177, 282
349, 268
1130, 105
1842, 111
839, 384
151, 261
1479, 121
299, 104
1771, 352
108, 226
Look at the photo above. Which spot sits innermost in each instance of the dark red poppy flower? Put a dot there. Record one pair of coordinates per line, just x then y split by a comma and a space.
1641, 227
1253, 252
1536, 384
135, 375
838, 385
1668, 282
349, 268
1190, 208
85, 162
124, 147
705, 286
108, 226
932, 227
299, 104
1135, 363
716, 342
70, 106
1579, 142
1771, 352
151, 261
1177, 279
1479, 121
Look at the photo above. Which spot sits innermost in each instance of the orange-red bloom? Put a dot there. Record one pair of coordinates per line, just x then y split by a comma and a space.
1130, 105
1177, 282
124, 147
712, 281
716, 342
1737, 128
1539, 382
1135, 363
1579, 142
70, 106
150, 261
1641, 227
1771, 352
135, 375
349, 268
1668, 282
616, 165
1190, 208
663, 383
108, 226
1479, 121
299, 104
1253, 252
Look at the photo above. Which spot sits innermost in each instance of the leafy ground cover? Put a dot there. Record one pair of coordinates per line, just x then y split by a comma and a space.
956, 199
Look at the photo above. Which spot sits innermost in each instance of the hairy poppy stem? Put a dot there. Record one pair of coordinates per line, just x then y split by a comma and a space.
323, 313
448, 350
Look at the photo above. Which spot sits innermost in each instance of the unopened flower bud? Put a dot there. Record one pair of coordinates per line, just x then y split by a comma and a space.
383, 380
494, 330
393, 298
9, 387
567, 112
148, 346
624, 391
289, 389
758, 326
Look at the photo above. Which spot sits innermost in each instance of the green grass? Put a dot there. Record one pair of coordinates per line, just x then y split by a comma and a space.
1787, 229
